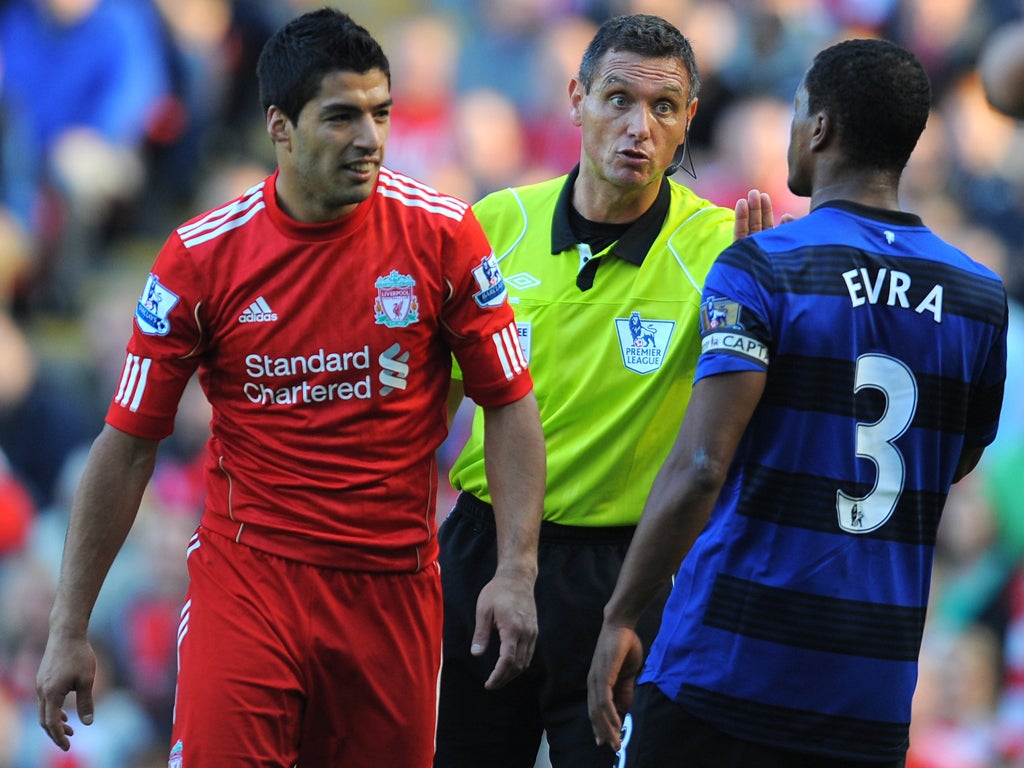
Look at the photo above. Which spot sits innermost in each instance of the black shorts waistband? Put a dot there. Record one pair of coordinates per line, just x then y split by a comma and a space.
472, 507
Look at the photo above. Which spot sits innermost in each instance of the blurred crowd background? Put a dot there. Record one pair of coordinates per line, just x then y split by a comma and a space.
121, 118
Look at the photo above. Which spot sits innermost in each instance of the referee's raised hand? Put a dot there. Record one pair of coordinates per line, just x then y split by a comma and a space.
754, 213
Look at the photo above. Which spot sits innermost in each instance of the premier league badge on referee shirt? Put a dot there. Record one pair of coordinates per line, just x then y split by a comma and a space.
396, 305
643, 341
154, 305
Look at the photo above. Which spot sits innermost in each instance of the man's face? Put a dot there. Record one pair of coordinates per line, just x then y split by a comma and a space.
798, 154
336, 146
633, 119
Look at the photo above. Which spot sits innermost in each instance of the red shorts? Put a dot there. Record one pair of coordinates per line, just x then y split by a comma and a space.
283, 663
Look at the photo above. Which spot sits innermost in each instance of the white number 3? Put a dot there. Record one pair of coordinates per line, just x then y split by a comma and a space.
875, 442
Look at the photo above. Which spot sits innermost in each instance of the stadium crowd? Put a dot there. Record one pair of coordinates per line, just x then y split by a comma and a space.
121, 118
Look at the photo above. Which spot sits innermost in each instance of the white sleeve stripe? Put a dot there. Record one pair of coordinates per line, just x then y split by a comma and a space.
141, 386
225, 227
517, 348
124, 378
415, 188
133, 382
499, 346
131, 373
413, 202
511, 338
214, 218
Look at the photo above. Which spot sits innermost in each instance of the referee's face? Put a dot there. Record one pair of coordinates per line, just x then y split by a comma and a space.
633, 119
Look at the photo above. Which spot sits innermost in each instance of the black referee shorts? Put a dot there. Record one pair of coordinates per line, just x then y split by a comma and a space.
577, 571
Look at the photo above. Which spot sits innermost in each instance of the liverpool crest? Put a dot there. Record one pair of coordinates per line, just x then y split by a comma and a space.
396, 305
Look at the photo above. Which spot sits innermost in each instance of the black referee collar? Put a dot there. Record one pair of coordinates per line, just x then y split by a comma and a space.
634, 244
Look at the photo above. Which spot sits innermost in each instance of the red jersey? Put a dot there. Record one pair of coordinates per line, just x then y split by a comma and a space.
325, 352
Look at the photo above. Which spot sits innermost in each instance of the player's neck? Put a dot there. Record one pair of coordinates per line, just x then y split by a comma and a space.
873, 188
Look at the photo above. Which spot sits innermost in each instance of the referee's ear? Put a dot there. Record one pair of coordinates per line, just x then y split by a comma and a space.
577, 92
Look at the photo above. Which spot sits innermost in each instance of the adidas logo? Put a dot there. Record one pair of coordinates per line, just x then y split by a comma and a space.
258, 312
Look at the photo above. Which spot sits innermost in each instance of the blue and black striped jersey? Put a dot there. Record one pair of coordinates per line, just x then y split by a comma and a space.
796, 619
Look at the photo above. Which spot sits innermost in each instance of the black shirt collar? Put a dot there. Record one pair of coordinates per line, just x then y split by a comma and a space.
885, 215
634, 245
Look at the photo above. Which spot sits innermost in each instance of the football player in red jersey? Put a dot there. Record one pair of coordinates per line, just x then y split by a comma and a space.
311, 631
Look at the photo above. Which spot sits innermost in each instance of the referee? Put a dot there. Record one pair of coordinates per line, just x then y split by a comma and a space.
604, 267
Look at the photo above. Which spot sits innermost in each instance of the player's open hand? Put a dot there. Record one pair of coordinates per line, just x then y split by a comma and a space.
754, 213
618, 657
506, 604
68, 666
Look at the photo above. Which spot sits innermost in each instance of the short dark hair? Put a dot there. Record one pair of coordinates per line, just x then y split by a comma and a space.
879, 95
644, 34
297, 57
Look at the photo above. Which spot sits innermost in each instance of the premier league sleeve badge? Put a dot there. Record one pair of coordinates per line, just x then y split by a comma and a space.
154, 305
492, 286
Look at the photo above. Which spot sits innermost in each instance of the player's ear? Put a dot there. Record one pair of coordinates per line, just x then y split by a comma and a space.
822, 131
279, 127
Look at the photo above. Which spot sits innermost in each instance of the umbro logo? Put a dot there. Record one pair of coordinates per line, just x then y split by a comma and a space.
522, 280
258, 312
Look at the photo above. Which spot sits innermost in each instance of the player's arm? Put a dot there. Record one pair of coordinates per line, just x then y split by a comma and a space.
516, 474
986, 404
104, 508
678, 507
456, 393
968, 461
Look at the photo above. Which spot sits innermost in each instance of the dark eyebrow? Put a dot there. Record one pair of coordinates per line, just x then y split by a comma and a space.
352, 109
618, 80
